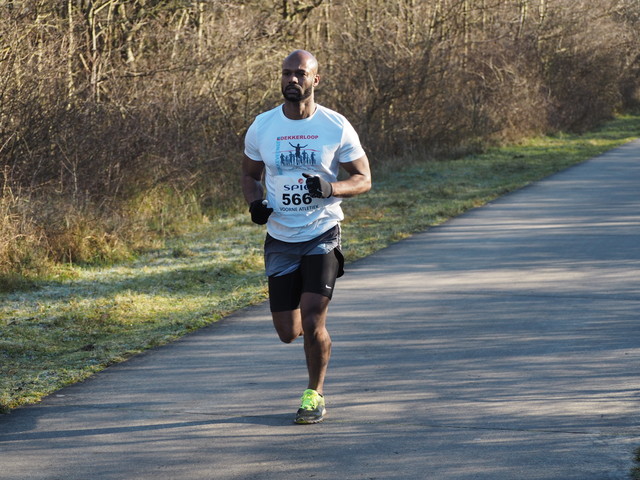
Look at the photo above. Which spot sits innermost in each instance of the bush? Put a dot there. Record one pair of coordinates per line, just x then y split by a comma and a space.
121, 122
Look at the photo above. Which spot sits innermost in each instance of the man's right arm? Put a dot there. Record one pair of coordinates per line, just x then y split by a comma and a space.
253, 191
252, 172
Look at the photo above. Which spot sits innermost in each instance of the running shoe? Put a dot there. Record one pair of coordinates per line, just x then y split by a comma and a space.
311, 408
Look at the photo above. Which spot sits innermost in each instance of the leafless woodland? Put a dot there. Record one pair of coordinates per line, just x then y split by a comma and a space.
114, 113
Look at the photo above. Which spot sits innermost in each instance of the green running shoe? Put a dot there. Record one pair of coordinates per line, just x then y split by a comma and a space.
311, 408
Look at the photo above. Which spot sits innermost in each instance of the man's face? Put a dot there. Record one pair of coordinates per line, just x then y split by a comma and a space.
298, 78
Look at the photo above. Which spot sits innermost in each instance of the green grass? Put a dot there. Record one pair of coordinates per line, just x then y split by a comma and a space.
411, 199
61, 331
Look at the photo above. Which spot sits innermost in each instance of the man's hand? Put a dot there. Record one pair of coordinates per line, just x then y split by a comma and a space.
260, 212
318, 188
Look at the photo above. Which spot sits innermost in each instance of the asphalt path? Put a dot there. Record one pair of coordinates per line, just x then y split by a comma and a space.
502, 345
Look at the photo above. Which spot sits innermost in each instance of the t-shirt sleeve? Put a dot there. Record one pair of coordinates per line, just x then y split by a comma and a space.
350, 149
251, 149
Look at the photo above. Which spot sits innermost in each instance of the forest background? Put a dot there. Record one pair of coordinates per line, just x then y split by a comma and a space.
122, 122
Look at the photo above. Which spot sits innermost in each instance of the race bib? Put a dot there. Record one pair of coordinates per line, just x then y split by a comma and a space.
292, 195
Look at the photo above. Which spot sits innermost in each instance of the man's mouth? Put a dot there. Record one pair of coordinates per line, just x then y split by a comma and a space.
293, 93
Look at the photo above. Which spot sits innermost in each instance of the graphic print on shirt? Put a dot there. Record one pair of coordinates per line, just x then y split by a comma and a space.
293, 155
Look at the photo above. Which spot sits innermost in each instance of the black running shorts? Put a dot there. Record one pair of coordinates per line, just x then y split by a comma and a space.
316, 274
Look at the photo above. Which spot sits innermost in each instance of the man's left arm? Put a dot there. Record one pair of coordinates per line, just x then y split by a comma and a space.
359, 180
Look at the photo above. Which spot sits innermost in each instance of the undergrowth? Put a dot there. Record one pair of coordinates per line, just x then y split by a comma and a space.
62, 328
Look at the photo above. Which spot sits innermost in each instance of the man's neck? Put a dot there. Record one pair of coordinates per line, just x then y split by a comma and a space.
299, 110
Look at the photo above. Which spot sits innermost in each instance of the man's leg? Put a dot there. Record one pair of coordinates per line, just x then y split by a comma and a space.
317, 342
284, 298
288, 324
310, 319
299, 303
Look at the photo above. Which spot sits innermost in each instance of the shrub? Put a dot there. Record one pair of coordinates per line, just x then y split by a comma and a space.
123, 121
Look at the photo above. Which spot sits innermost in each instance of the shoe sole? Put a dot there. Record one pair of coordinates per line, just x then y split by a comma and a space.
312, 421
299, 421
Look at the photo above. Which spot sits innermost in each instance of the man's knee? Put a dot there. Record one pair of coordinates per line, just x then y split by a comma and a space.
287, 336
314, 306
287, 325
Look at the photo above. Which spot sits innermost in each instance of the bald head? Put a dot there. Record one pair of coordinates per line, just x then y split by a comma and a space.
302, 57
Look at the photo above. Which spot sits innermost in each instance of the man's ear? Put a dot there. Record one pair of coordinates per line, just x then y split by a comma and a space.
316, 80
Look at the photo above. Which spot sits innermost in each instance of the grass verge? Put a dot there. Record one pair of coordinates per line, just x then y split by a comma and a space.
64, 330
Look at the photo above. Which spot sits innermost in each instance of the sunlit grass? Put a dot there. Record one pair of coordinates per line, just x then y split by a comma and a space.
88, 318
423, 194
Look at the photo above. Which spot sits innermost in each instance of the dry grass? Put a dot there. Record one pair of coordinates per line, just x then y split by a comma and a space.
83, 319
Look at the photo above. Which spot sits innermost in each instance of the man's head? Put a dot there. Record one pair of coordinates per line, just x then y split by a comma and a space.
299, 76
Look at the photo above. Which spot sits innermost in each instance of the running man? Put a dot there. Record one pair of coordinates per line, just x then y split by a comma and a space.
302, 213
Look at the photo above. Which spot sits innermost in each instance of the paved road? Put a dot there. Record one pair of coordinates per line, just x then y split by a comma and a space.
503, 345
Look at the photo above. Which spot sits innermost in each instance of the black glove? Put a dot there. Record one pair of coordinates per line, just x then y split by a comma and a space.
318, 188
259, 212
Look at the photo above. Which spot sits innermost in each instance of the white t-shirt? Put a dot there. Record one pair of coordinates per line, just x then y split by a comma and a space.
315, 145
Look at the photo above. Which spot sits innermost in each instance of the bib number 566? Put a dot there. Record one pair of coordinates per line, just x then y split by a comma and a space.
296, 199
